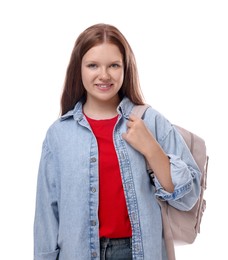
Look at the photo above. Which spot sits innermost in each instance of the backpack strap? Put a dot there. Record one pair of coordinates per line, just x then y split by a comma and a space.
139, 110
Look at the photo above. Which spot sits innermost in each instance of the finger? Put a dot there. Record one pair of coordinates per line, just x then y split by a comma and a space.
125, 136
133, 117
130, 124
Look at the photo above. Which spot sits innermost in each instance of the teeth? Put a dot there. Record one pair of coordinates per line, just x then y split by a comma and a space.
103, 86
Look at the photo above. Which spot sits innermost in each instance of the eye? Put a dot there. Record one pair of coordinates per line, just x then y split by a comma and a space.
92, 66
115, 65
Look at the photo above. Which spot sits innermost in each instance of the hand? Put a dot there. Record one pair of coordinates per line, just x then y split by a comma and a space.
141, 139
139, 136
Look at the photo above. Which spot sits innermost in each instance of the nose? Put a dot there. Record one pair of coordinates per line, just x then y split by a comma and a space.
104, 75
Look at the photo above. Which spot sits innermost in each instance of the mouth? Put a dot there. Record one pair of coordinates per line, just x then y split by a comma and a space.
104, 87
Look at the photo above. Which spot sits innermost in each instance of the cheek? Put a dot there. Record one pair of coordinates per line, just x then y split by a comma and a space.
121, 77
82, 74
118, 76
86, 76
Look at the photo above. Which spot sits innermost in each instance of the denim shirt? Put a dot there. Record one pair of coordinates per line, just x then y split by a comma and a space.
66, 221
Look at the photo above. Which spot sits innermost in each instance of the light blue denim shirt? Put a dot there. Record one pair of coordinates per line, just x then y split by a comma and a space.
66, 218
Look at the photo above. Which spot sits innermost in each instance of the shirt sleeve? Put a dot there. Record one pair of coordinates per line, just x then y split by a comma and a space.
46, 212
185, 173
186, 182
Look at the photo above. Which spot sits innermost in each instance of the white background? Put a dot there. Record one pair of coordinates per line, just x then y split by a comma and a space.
182, 52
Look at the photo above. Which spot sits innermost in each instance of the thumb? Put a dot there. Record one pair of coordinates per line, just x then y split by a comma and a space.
124, 136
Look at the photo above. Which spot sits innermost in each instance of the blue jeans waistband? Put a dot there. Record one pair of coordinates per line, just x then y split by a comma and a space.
115, 248
115, 241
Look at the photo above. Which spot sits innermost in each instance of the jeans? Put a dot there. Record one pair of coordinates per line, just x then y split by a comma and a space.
116, 249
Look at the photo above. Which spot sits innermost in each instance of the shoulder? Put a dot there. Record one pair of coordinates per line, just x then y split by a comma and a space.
52, 132
63, 122
153, 114
157, 123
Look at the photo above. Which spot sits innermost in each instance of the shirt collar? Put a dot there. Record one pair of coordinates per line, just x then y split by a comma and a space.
123, 108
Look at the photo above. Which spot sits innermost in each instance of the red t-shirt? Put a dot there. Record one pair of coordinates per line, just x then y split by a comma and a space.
113, 215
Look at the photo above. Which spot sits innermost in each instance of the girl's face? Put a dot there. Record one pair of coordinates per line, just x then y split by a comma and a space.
102, 72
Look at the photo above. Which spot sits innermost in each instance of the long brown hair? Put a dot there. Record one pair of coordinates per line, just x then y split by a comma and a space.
74, 90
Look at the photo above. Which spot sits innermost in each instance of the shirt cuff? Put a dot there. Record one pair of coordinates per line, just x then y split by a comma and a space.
182, 178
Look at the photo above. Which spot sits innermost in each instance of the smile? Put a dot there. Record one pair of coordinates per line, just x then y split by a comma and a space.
104, 86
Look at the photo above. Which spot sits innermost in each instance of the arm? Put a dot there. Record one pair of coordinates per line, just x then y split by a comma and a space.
141, 139
177, 177
46, 214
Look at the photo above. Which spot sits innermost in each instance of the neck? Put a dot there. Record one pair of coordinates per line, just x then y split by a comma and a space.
100, 110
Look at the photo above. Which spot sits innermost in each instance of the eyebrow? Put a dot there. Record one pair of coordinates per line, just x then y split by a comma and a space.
93, 61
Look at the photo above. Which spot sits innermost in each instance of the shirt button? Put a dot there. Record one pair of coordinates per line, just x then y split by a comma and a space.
93, 159
129, 186
133, 216
137, 247
122, 155
93, 189
94, 254
93, 223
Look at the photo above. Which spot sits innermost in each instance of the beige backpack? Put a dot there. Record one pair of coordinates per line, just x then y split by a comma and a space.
182, 227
